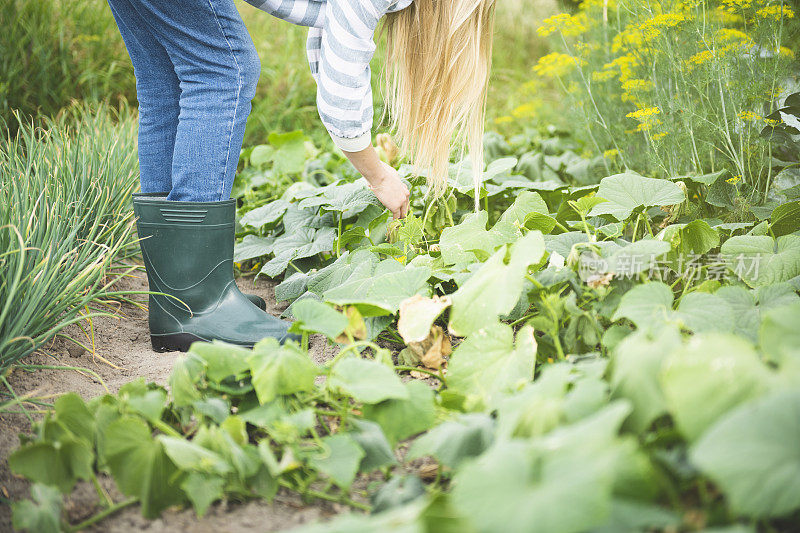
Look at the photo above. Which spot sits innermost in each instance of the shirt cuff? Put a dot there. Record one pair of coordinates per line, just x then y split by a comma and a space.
354, 144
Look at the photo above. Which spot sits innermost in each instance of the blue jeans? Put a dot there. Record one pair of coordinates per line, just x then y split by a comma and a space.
196, 71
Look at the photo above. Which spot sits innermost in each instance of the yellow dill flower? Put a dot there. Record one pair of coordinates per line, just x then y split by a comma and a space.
665, 20
775, 12
524, 110
503, 120
611, 154
556, 64
632, 38
563, 22
738, 4
729, 39
688, 5
749, 115
636, 85
644, 113
625, 64
771, 122
657, 136
585, 48
604, 75
785, 52
701, 57
735, 179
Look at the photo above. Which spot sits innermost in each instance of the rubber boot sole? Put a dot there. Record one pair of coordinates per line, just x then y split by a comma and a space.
176, 342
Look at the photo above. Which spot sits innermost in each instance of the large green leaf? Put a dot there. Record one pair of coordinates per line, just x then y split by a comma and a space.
458, 243
403, 418
753, 455
528, 210
563, 242
708, 377
302, 242
759, 260
314, 316
355, 265
786, 218
338, 459
349, 198
190, 456
632, 259
650, 305
636, 365
561, 483
487, 363
289, 155
260, 216
629, 191
382, 291
696, 237
496, 287
71, 411
454, 441
60, 463
203, 490
366, 381
377, 450
279, 370
42, 515
750, 305
780, 336
222, 360
140, 467
252, 247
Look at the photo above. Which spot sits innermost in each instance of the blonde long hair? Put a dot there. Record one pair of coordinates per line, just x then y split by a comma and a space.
436, 77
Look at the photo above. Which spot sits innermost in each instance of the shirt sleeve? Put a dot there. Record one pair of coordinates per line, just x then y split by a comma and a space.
299, 12
339, 54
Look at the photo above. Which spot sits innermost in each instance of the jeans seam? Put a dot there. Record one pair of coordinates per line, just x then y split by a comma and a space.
235, 106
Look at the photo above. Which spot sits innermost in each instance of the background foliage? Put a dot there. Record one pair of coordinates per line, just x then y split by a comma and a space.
608, 344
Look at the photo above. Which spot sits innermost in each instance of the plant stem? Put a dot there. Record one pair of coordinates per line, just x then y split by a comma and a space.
16, 398
101, 491
103, 514
403, 368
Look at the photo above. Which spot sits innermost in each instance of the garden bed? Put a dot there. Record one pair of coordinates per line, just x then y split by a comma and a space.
125, 342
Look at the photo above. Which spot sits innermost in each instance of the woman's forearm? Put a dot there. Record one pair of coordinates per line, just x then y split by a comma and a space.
367, 163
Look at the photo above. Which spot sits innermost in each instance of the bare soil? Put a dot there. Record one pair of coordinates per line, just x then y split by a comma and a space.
124, 343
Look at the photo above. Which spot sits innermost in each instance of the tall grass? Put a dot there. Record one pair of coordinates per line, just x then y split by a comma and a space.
54, 51
65, 215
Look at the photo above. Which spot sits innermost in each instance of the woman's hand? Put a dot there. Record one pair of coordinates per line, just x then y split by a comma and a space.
390, 190
383, 180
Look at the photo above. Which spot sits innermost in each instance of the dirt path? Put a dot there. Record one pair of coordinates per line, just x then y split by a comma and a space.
125, 342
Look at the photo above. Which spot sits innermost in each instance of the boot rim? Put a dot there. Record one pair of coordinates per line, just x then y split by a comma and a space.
163, 198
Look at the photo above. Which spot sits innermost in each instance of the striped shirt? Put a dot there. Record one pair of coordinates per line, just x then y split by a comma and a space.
340, 46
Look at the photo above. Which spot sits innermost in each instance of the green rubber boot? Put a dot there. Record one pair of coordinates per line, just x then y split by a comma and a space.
187, 249
258, 300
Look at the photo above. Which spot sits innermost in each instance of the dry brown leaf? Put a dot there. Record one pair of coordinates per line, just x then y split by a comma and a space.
428, 471
439, 348
599, 280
